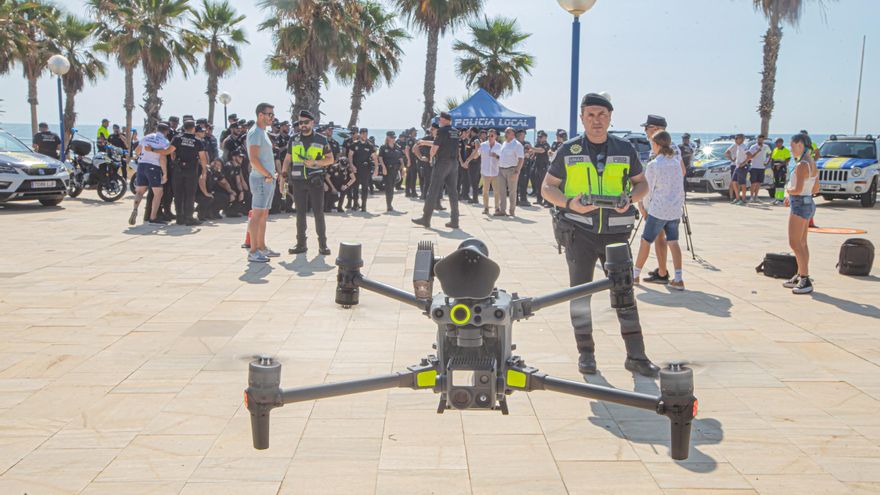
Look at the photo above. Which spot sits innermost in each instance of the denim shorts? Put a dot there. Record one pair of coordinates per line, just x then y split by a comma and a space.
654, 225
148, 175
262, 192
802, 206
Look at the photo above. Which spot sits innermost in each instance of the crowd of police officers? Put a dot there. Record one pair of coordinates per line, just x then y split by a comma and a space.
319, 174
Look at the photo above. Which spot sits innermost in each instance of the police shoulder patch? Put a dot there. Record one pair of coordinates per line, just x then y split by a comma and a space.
576, 148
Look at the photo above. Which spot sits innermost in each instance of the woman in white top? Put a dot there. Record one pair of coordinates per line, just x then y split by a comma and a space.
801, 187
664, 203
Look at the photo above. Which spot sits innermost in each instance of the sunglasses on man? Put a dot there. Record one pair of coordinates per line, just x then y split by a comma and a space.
303, 122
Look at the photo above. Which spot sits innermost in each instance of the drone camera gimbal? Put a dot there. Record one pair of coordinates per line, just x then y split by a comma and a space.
474, 367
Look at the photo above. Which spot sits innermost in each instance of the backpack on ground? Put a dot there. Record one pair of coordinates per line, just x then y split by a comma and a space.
778, 265
856, 257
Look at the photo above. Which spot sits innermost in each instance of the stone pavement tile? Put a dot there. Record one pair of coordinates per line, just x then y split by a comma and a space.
250, 488
313, 477
122, 412
764, 452
343, 428
784, 484
841, 400
133, 488
423, 481
423, 440
231, 470
236, 440
499, 462
59, 402
838, 441
158, 458
215, 328
720, 476
698, 491
13, 449
57, 470
859, 488
75, 437
595, 477
580, 440
852, 468
488, 423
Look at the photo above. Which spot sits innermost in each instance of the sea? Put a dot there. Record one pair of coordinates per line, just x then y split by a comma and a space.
23, 132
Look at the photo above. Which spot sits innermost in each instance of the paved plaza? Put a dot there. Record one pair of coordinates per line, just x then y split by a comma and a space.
123, 357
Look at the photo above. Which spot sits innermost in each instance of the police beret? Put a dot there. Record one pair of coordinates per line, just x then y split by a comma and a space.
595, 99
542, 133
363, 130
232, 116
435, 125
305, 114
445, 115
173, 119
390, 134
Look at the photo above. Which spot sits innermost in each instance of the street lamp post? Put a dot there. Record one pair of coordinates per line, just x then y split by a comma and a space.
575, 8
59, 65
225, 98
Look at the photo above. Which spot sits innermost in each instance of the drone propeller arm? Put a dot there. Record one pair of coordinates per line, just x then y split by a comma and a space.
598, 392
530, 305
391, 292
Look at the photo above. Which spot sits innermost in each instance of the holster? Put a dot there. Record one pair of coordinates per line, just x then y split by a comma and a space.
563, 229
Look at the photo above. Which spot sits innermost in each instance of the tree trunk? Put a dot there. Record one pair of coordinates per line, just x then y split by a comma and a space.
212, 96
32, 97
129, 101
152, 104
430, 75
357, 98
772, 41
307, 93
69, 114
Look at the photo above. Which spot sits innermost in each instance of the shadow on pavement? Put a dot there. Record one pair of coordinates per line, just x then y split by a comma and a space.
25, 208
169, 230
694, 300
256, 273
305, 267
848, 306
649, 428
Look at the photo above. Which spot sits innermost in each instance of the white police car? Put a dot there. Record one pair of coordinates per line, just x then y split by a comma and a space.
848, 168
25, 175
711, 169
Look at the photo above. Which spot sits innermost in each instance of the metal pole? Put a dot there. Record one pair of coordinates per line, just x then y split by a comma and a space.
575, 58
61, 118
225, 118
859, 94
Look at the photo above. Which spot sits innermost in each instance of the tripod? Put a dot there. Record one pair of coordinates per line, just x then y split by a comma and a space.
686, 220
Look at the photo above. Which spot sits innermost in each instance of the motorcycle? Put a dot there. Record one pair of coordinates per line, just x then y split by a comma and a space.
100, 172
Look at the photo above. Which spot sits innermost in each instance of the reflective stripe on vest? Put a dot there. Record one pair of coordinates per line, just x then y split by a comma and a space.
298, 153
582, 177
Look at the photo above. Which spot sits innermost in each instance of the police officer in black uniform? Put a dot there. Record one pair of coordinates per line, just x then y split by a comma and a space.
305, 165
391, 158
585, 230
465, 148
522, 183
445, 173
412, 165
47, 142
362, 154
541, 152
188, 162
422, 150
475, 163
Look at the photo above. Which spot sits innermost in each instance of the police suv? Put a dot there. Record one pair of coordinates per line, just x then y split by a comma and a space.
25, 175
711, 169
848, 168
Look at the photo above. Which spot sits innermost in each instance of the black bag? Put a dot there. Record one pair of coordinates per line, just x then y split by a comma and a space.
856, 257
778, 265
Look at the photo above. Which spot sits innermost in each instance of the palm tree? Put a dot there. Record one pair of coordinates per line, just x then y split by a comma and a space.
310, 36
376, 56
492, 61
117, 38
27, 36
435, 17
217, 24
777, 13
75, 42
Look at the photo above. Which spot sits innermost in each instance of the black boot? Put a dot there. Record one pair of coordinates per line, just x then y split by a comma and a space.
323, 250
587, 363
298, 249
636, 359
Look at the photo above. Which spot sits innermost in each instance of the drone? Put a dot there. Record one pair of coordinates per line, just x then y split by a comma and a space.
474, 367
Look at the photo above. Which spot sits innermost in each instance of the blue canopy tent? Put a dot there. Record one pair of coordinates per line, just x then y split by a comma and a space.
483, 111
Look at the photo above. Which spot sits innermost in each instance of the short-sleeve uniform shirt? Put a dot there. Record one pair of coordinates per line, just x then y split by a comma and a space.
447, 143
392, 156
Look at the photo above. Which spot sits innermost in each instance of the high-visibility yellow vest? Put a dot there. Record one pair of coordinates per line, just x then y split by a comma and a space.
299, 153
780, 154
582, 177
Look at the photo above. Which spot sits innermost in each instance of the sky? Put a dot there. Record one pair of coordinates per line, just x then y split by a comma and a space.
697, 62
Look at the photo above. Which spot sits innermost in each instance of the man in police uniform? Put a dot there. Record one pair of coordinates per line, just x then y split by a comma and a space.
362, 154
189, 155
541, 152
309, 155
445, 173
47, 142
599, 163
522, 183
390, 160
465, 149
